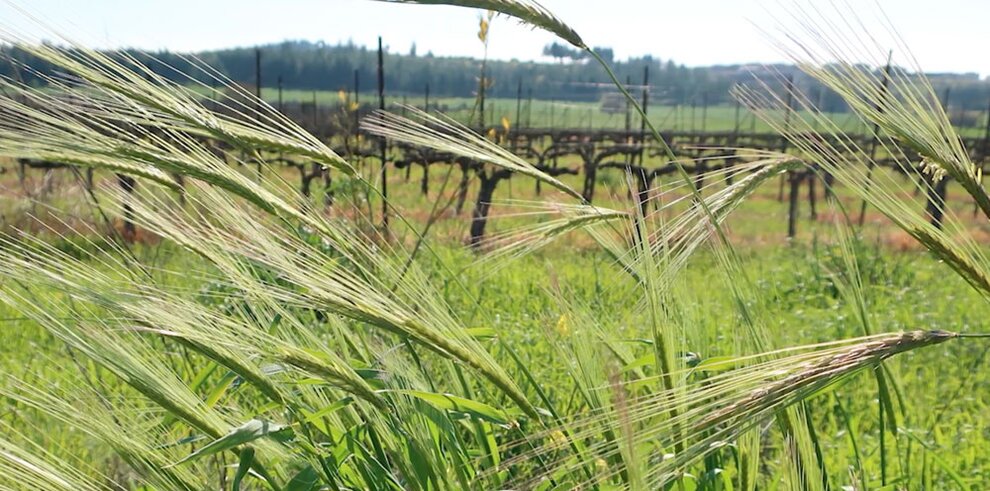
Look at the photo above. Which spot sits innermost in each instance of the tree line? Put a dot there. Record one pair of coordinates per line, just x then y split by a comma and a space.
317, 66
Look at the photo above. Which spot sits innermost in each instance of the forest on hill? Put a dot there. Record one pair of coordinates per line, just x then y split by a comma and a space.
307, 65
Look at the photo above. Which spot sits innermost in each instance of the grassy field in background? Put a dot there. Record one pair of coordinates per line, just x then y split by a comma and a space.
583, 115
563, 114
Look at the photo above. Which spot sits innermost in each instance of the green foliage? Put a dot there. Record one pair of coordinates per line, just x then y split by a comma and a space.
317, 351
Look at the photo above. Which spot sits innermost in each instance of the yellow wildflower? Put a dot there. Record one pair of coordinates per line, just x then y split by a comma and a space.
563, 326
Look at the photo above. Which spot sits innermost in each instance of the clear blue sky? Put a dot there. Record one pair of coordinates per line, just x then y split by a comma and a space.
945, 35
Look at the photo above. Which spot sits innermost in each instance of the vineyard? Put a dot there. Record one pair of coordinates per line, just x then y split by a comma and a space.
214, 285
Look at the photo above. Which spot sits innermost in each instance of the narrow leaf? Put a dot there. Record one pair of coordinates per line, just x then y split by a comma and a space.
246, 433
450, 402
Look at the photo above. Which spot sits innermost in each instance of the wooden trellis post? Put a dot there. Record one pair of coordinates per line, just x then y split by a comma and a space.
642, 120
938, 190
424, 184
529, 107
875, 141
794, 178
382, 148
704, 112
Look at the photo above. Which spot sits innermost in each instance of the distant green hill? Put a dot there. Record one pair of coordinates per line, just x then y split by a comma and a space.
303, 65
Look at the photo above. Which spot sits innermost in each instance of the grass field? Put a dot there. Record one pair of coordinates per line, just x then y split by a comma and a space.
938, 442
585, 115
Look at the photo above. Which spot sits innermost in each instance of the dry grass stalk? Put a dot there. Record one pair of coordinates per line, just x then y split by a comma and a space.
825, 370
